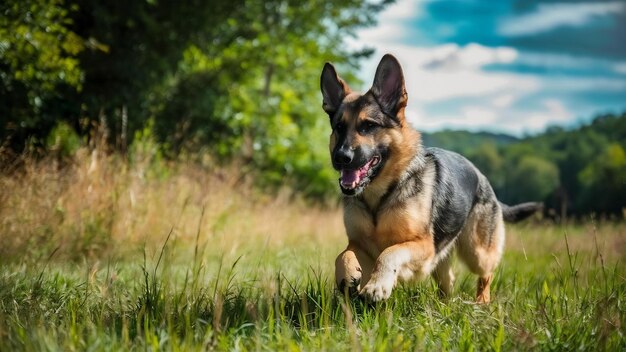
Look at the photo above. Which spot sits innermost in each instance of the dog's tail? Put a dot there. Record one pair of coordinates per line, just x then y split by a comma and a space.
519, 212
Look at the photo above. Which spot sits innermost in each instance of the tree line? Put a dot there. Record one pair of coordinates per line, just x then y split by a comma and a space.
575, 172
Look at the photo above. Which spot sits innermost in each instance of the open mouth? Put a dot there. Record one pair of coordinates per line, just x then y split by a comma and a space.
352, 180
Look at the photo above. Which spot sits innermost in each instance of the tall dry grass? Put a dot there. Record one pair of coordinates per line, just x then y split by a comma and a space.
95, 204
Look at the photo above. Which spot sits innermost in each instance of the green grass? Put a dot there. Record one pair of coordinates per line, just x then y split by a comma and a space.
556, 289
103, 254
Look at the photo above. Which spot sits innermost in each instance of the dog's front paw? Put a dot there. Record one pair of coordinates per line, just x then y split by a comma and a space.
348, 273
350, 285
377, 290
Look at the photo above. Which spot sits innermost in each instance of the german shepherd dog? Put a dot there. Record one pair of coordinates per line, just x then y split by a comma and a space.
405, 206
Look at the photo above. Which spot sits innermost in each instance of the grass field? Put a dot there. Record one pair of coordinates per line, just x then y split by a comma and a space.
107, 255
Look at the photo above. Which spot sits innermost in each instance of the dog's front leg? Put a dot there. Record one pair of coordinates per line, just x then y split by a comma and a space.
352, 268
405, 260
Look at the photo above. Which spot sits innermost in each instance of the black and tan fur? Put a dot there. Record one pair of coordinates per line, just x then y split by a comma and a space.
405, 206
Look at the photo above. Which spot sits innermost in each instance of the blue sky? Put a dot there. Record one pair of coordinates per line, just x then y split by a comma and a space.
502, 65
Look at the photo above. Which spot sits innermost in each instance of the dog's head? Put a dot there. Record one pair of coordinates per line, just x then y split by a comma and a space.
366, 128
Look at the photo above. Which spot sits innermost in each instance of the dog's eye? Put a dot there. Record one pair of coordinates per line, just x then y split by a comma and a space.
367, 127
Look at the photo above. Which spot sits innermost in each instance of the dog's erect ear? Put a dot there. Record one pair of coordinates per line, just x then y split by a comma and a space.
334, 89
388, 85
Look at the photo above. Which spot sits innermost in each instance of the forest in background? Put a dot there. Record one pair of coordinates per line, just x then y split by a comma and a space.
578, 171
239, 81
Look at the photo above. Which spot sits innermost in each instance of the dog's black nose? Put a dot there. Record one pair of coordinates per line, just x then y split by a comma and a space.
344, 155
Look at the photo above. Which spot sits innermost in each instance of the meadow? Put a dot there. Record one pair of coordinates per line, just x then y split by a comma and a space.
101, 253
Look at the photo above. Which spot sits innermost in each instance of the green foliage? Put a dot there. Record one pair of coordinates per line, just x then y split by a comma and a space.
38, 61
530, 178
257, 97
37, 46
490, 162
63, 140
236, 79
604, 181
144, 42
146, 154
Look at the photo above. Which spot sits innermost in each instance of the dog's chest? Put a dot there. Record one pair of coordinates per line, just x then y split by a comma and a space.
388, 226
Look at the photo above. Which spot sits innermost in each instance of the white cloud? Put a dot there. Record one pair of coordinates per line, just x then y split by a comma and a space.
445, 72
620, 68
458, 75
448, 86
554, 112
471, 117
490, 118
401, 10
450, 71
503, 100
428, 86
385, 32
552, 60
581, 84
415, 115
551, 16
479, 115
470, 56
391, 27
446, 56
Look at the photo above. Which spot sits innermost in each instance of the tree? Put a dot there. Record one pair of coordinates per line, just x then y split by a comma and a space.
38, 62
145, 41
262, 99
239, 78
531, 179
604, 181
489, 161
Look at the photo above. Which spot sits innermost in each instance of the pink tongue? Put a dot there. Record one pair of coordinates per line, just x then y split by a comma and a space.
350, 178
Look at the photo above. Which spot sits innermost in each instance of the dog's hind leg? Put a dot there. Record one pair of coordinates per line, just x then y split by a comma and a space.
444, 276
483, 294
481, 244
